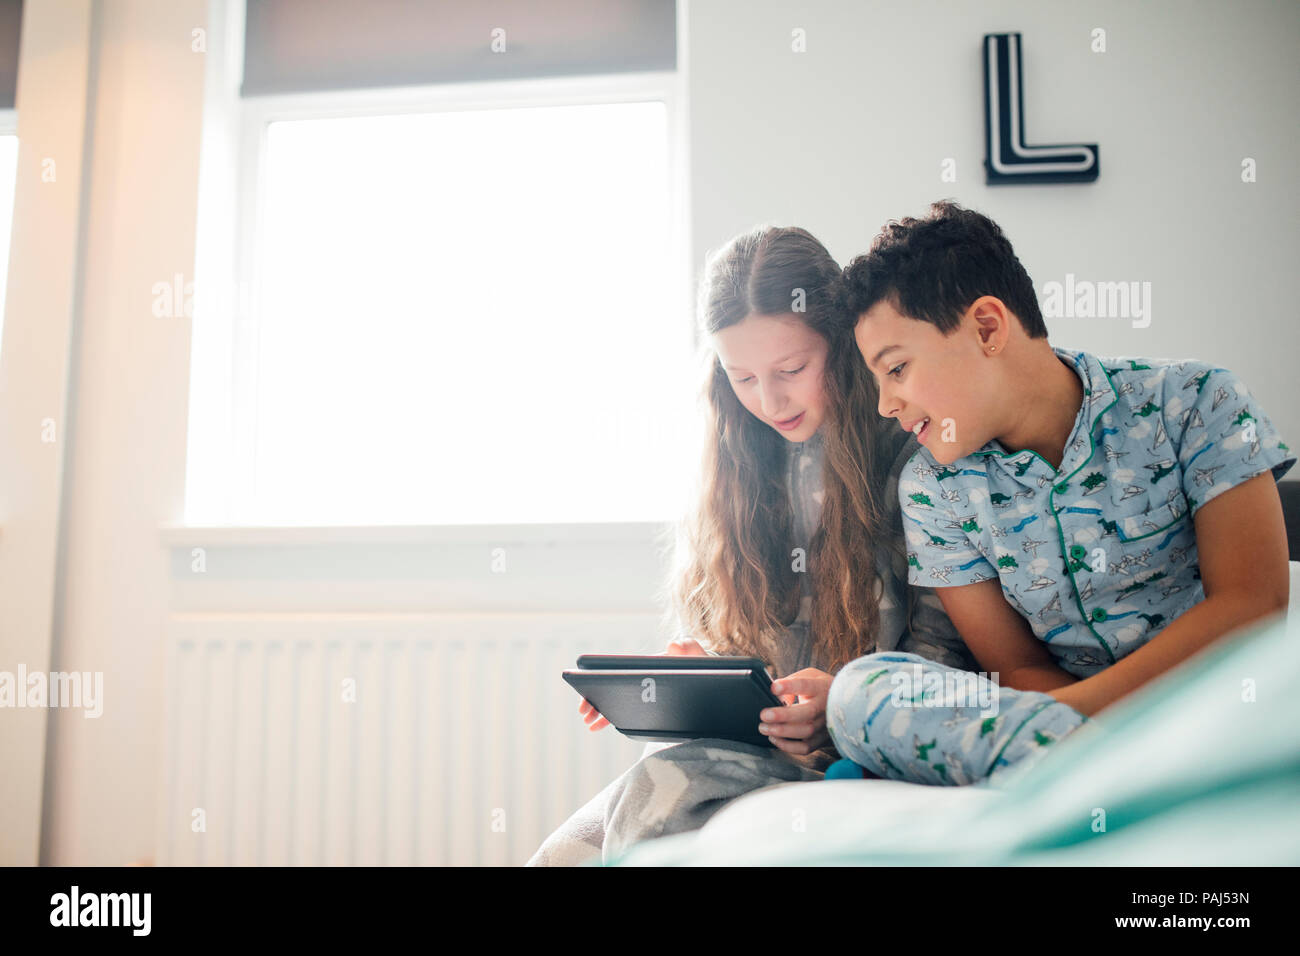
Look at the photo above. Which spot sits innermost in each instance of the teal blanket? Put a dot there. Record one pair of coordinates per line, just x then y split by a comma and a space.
1200, 767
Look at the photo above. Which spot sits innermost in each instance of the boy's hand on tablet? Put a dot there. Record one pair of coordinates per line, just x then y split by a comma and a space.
800, 726
682, 647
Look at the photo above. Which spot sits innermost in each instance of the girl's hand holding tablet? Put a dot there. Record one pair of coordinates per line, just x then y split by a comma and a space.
685, 647
800, 726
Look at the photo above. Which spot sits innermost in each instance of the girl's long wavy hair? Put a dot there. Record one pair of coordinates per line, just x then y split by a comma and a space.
733, 584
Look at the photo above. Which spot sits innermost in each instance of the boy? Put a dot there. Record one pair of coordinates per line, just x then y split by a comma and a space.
1087, 523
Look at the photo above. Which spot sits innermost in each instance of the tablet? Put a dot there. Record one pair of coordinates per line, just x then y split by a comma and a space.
677, 697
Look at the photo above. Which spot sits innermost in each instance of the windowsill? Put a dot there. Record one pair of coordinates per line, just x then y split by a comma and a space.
182, 535
582, 568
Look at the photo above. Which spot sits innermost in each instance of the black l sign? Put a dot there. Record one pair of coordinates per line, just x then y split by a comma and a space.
1009, 159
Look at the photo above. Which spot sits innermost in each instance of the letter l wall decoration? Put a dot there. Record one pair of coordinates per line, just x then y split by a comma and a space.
1009, 160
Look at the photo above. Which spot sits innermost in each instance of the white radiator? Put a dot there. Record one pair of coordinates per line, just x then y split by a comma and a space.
463, 745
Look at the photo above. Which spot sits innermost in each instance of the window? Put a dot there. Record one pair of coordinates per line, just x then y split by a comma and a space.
471, 312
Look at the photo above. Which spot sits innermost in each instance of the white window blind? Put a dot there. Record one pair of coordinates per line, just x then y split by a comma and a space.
314, 45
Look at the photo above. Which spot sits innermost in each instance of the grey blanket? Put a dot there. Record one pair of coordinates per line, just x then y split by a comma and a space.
673, 788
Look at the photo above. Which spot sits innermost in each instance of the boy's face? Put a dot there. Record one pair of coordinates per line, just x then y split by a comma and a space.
776, 365
923, 374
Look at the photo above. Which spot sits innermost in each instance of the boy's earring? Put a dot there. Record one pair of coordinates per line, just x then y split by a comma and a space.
992, 349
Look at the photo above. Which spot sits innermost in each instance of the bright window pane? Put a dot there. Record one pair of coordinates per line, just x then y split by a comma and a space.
470, 317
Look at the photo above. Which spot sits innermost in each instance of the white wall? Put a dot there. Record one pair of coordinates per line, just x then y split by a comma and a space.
35, 370
126, 463
851, 133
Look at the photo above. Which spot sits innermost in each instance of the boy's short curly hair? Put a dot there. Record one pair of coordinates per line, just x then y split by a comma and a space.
932, 269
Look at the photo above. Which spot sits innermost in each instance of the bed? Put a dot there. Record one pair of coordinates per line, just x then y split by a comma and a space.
1200, 767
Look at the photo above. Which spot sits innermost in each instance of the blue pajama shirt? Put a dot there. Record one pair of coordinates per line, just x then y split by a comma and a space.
1098, 556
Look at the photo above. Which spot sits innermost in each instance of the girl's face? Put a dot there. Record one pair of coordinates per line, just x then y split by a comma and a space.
776, 364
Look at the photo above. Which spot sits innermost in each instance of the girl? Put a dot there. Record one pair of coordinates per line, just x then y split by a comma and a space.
798, 499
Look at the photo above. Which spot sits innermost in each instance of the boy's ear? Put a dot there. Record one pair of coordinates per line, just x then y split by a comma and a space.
991, 320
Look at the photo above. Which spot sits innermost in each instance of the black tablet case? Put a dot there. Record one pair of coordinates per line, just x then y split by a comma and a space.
693, 697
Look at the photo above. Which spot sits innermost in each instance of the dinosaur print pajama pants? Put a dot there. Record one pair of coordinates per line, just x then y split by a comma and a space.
903, 717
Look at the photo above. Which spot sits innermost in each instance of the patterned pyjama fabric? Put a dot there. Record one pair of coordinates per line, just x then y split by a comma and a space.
903, 717
673, 788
